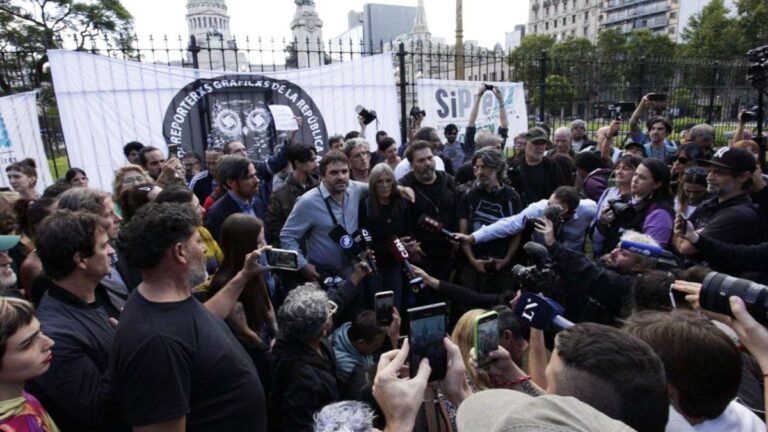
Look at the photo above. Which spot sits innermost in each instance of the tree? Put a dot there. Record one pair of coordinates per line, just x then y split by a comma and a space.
713, 35
524, 60
753, 21
36, 26
559, 94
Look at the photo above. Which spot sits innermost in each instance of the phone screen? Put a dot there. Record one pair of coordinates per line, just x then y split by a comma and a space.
426, 340
384, 304
283, 259
487, 338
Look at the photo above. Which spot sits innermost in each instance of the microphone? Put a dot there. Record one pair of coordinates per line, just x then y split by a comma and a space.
348, 245
434, 226
363, 240
540, 311
401, 255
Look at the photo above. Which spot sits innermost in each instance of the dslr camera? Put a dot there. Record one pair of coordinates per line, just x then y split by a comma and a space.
624, 211
416, 111
752, 114
717, 288
539, 277
367, 115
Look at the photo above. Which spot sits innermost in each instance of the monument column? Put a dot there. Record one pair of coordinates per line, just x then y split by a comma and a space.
307, 32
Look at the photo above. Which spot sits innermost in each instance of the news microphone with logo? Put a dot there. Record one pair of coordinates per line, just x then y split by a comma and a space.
401, 255
363, 240
540, 312
348, 245
434, 226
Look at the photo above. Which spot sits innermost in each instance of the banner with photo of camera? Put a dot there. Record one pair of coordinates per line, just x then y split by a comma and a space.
20, 137
450, 101
105, 103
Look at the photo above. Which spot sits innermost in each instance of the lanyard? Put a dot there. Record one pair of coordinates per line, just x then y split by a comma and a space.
330, 211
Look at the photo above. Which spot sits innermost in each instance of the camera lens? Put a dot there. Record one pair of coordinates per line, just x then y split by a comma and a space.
717, 288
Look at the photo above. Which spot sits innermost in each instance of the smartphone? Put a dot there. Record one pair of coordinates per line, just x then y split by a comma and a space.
384, 303
657, 97
426, 332
486, 337
683, 223
283, 259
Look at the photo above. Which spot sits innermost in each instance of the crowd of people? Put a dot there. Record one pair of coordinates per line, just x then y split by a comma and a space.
158, 306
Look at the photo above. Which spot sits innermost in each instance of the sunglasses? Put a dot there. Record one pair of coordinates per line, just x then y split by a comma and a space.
682, 160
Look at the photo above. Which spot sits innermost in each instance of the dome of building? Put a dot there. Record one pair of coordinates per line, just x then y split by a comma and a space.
193, 3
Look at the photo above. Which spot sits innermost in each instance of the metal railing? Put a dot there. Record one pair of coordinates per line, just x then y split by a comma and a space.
559, 87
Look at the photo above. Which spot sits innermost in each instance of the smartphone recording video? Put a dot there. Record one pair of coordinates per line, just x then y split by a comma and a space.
384, 304
486, 337
426, 333
283, 259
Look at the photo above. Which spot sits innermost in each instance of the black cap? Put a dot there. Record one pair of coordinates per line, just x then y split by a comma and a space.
734, 159
537, 134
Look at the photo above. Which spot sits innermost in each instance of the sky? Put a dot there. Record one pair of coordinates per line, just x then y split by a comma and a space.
485, 21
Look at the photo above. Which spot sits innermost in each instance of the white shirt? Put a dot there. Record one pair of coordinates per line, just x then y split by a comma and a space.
404, 167
736, 417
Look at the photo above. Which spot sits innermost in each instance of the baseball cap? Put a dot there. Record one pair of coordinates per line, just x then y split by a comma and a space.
8, 242
631, 144
656, 119
537, 134
730, 158
501, 410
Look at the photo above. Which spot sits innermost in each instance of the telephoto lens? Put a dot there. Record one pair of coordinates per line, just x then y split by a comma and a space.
717, 288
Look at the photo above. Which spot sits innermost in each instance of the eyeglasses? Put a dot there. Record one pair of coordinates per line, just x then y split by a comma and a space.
132, 180
682, 160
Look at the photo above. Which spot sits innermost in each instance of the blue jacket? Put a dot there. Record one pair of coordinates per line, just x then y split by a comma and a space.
347, 357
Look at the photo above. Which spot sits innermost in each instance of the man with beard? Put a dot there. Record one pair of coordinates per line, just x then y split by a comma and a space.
535, 176
597, 292
175, 363
77, 314
729, 216
8, 278
436, 198
332, 205
485, 203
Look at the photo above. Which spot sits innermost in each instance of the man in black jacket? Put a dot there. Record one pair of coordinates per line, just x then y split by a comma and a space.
596, 292
304, 367
534, 175
435, 197
76, 312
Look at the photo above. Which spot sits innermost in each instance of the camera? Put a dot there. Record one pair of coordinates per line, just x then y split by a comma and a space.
416, 111
538, 277
488, 87
753, 114
624, 211
717, 288
367, 115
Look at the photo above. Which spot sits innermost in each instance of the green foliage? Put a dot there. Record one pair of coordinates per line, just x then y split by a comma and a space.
753, 22
559, 92
683, 98
713, 34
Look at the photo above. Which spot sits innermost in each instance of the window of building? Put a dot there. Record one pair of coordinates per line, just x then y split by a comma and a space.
535, 28
586, 15
554, 23
547, 10
546, 25
672, 15
555, 8
573, 19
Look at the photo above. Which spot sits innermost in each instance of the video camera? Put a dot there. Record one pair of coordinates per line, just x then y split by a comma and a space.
537, 277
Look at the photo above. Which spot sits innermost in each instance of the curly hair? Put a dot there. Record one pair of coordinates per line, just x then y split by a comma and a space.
345, 416
153, 230
302, 315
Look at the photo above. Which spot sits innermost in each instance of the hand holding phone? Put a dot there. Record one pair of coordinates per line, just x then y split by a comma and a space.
384, 305
426, 332
283, 259
486, 337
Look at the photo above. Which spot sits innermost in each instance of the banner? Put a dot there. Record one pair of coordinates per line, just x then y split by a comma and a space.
105, 103
450, 101
20, 137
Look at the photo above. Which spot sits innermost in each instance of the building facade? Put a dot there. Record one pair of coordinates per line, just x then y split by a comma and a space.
563, 19
208, 22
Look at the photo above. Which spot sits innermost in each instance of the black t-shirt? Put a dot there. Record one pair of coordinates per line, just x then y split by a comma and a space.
537, 182
735, 220
437, 200
481, 207
386, 225
177, 359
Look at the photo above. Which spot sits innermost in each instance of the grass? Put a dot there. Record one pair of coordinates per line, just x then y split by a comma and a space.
61, 164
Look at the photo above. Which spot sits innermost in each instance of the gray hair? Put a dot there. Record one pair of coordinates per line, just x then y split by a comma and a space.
492, 158
354, 143
83, 199
577, 123
703, 130
302, 315
562, 129
345, 416
485, 139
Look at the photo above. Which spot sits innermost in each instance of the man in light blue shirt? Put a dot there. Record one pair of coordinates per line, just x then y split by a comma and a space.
576, 216
334, 202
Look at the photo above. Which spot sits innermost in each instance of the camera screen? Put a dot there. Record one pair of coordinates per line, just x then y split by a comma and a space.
488, 337
427, 341
283, 259
384, 306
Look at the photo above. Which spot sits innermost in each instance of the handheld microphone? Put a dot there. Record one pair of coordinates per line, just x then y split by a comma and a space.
434, 226
537, 252
540, 311
348, 245
363, 240
401, 255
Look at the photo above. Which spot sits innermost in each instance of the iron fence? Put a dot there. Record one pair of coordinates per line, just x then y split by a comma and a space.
558, 88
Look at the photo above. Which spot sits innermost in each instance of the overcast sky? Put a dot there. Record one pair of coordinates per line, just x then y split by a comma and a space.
484, 21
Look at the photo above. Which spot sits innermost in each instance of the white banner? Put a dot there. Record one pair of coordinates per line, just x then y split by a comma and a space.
20, 137
105, 103
450, 101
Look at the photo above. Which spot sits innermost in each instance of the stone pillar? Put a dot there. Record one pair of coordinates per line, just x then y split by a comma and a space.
307, 32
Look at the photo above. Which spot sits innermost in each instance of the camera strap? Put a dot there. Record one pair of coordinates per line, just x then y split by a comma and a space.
330, 210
